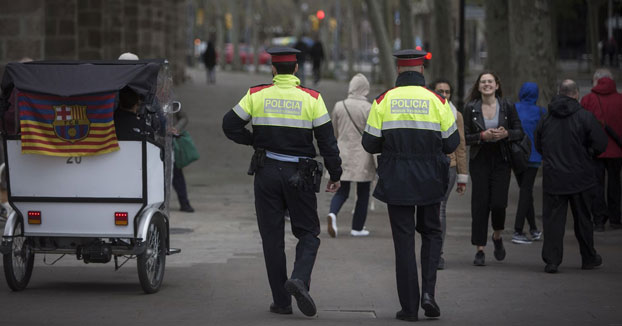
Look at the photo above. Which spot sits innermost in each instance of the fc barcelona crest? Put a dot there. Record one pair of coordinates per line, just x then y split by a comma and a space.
70, 122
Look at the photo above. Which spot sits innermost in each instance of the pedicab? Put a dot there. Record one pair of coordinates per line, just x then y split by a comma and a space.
74, 187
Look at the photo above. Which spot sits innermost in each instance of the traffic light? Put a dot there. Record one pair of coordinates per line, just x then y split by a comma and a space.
228, 20
315, 23
332, 23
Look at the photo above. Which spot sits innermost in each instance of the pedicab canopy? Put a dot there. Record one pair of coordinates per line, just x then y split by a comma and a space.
67, 108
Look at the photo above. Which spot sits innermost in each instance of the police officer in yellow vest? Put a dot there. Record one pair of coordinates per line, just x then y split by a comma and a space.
413, 128
285, 117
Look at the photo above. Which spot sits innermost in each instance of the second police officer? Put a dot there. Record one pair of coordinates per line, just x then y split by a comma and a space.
413, 128
285, 117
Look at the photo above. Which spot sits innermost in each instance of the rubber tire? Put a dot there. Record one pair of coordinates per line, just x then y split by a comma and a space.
7, 260
157, 223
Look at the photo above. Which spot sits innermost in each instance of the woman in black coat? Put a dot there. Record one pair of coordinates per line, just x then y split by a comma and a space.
490, 122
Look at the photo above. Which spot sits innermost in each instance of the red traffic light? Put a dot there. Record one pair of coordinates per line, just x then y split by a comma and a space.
428, 56
320, 14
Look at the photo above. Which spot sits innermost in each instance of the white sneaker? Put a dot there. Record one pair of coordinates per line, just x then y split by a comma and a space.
363, 233
332, 224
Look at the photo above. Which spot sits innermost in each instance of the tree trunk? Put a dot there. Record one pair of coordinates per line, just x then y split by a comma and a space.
220, 34
533, 57
256, 19
298, 21
350, 34
382, 40
498, 41
407, 39
593, 7
387, 9
461, 58
235, 33
443, 61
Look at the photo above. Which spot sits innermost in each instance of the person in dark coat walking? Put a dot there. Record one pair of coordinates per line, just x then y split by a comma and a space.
317, 56
568, 138
209, 59
605, 103
301, 57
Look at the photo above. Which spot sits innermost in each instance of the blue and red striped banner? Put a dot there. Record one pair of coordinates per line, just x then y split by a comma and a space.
67, 126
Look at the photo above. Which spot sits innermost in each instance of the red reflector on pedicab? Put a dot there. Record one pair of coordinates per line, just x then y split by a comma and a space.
120, 218
34, 217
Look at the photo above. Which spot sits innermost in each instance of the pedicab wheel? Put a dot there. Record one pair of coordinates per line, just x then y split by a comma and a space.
18, 263
151, 262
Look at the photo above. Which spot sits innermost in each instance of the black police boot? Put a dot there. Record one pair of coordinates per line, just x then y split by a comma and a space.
280, 310
298, 289
429, 306
550, 268
597, 261
405, 316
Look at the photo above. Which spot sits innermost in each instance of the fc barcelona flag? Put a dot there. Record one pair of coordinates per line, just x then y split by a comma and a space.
67, 126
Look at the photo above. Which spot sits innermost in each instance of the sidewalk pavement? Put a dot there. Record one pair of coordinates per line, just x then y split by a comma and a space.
220, 278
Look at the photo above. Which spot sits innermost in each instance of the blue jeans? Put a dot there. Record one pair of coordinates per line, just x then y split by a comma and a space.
360, 210
443, 209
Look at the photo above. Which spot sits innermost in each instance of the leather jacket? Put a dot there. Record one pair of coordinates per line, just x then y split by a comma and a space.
474, 124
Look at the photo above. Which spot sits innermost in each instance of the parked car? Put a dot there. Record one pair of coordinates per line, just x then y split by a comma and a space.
246, 54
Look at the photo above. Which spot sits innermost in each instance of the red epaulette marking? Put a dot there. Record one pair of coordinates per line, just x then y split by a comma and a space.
380, 97
437, 95
311, 92
257, 88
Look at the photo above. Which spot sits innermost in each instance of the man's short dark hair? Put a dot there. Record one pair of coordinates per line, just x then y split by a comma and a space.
127, 98
441, 81
284, 68
568, 87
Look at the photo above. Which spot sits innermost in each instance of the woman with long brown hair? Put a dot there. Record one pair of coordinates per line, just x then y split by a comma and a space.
490, 122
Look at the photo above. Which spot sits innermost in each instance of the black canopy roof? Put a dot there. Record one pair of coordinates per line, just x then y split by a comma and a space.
73, 78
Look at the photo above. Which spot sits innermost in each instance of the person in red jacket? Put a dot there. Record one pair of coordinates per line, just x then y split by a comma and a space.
606, 104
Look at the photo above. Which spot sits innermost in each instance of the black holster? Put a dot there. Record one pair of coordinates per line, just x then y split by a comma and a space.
257, 161
308, 176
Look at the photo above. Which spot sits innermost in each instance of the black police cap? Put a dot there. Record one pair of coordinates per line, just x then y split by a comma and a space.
412, 57
283, 54
409, 54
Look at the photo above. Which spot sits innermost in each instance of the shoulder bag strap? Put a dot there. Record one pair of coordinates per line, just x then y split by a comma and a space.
608, 129
350, 116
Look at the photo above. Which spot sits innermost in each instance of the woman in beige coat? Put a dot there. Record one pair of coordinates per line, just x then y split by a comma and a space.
349, 118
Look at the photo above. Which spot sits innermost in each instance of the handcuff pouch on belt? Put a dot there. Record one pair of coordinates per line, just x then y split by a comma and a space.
308, 176
257, 161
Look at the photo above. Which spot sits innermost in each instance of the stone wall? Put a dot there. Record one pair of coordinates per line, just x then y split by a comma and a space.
93, 30
21, 30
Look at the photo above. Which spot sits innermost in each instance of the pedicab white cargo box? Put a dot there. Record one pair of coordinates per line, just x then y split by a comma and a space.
73, 186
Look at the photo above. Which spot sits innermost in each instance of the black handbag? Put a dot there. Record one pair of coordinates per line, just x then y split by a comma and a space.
520, 151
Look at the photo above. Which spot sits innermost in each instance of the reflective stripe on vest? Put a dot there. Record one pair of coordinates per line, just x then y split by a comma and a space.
282, 122
321, 120
241, 113
373, 131
449, 131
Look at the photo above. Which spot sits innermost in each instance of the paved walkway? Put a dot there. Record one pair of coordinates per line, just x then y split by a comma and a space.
220, 278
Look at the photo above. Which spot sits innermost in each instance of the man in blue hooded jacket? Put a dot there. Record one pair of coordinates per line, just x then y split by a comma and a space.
529, 114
